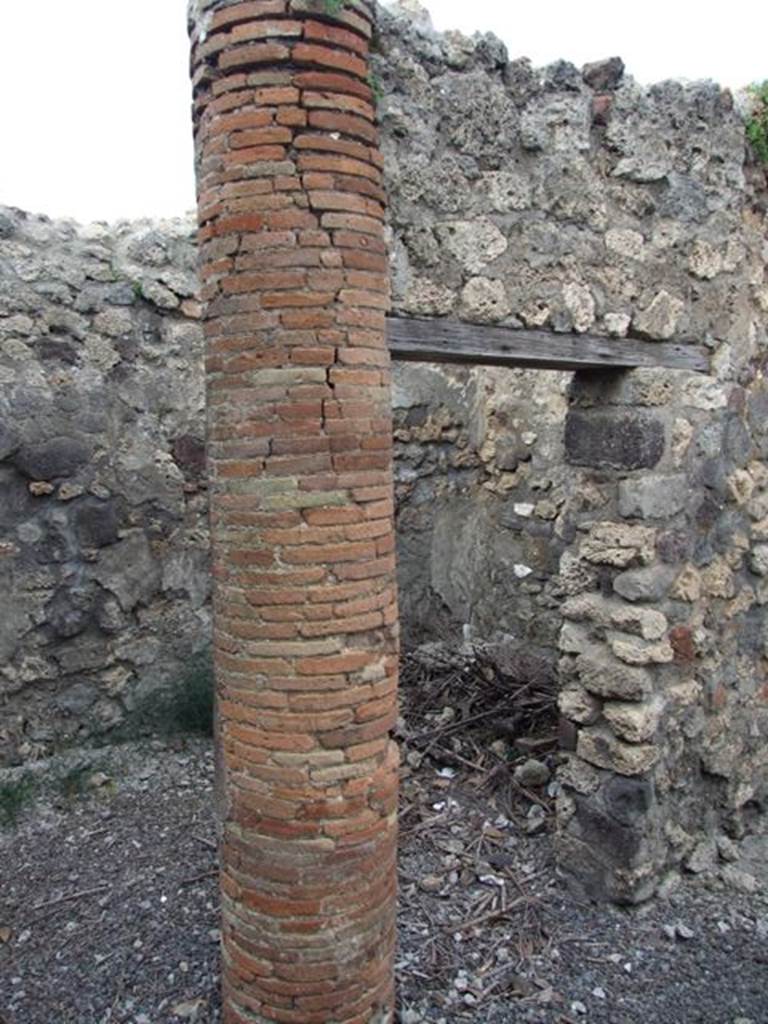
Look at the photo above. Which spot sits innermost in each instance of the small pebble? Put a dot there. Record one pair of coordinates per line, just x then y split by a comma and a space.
532, 773
410, 1017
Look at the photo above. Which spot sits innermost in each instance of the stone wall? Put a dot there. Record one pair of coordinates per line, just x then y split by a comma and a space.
633, 505
104, 579
542, 199
578, 201
663, 668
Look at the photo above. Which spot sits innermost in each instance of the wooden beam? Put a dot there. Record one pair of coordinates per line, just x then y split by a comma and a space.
452, 341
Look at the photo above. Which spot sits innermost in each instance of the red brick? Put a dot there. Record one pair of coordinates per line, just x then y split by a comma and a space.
350, 202
282, 300
347, 124
260, 137
681, 638
353, 240
247, 11
323, 32
265, 29
331, 554
292, 116
334, 164
343, 104
289, 220
365, 357
307, 318
277, 95
256, 53
326, 57
325, 143
333, 82
258, 154
259, 282
238, 122
352, 222
337, 663
268, 239
245, 222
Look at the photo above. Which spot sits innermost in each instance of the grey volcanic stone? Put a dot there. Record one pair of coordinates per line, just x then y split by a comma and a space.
51, 460
96, 523
16, 503
9, 440
650, 584
532, 773
603, 75
613, 439
70, 611
77, 699
7, 224
627, 798
653, 497
129, 570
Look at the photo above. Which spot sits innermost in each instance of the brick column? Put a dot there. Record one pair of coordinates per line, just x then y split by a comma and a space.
293, 265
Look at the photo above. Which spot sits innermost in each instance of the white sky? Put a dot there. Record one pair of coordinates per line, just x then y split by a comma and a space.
94, 119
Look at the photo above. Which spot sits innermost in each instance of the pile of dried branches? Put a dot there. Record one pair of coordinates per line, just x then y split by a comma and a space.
474, 876
479, 707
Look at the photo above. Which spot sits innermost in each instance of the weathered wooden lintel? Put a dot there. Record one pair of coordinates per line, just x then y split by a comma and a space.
452, 341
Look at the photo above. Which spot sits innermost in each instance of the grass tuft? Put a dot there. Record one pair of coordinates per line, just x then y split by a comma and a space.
757, 122
13, 798
184, 707
189, 706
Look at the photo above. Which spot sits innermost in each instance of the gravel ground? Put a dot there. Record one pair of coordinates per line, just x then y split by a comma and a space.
108, 909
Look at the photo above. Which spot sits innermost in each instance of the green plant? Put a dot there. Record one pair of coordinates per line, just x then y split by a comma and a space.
185, 706
13, 796
333, 6
375, 83
74, 782
190, 703
757, 122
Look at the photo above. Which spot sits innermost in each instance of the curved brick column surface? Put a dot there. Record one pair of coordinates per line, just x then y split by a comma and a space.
293, 265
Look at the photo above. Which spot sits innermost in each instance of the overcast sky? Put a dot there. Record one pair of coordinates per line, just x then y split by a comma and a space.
94, 119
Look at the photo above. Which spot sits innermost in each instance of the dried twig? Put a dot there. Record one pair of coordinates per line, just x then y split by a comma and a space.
206, 842
69, 898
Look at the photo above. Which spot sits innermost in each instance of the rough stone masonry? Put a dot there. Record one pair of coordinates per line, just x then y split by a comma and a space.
294, 283
617, 527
